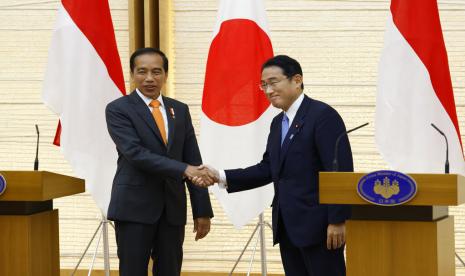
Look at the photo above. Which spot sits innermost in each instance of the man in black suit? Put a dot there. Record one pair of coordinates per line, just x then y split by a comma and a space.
157, 151
300, 144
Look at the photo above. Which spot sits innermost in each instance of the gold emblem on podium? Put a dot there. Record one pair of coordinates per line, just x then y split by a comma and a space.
386, 189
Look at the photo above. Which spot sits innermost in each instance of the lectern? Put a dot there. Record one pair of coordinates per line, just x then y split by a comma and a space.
413, 239
29, 224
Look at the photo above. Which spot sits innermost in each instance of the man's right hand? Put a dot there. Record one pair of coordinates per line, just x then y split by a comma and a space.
336, 236
200, 175
211, 176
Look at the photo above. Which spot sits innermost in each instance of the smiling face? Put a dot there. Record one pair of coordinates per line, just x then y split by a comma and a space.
148, 74
280, 90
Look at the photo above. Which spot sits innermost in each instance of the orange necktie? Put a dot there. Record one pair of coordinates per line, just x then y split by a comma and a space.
155, 104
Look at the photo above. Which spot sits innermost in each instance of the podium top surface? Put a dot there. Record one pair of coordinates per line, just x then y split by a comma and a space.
39, 185
432, 189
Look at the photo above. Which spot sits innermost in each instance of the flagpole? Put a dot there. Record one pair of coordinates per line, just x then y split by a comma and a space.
106, 250
260, 230
261, 221
103, 228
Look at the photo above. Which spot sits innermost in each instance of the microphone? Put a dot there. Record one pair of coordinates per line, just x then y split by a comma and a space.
336, 147
446, 166
36, 162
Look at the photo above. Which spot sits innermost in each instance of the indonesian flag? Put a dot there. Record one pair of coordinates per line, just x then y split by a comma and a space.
84, 74
414, 91
236, 114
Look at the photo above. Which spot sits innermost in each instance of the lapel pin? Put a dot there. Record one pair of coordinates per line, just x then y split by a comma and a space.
172, 113
292, 136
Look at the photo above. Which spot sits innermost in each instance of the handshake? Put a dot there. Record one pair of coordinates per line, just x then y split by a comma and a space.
202, 176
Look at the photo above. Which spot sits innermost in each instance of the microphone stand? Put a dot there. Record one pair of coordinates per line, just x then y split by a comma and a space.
446, 171
36, 162
446, 168
336, 147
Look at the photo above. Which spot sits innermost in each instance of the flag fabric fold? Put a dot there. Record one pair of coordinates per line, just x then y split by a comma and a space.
83, 74
414, 91
236, 115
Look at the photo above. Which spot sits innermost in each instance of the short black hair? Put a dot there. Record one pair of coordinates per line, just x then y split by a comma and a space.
148, 50
288, 65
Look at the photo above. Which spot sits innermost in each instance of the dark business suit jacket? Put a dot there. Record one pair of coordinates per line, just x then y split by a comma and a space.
293, 168
149, 175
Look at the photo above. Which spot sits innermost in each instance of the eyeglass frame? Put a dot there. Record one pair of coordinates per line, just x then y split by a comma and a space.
264, 87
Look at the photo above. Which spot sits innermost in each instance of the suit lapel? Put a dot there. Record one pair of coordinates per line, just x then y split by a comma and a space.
144, 112
171, 117
294, 129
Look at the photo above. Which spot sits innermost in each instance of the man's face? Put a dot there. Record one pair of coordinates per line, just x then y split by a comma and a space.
149, 75
280, 90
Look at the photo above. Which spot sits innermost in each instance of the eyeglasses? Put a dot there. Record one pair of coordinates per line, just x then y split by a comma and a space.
272, 84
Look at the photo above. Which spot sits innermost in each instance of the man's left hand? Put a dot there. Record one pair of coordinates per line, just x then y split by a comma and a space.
336, 236
201, 227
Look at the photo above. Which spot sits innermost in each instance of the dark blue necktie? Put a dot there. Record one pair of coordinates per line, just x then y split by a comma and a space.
284, 128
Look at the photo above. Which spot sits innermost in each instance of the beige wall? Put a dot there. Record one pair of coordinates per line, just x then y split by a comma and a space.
337, 42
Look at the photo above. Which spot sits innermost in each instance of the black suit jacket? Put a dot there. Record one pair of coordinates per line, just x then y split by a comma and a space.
149, 175
293, 168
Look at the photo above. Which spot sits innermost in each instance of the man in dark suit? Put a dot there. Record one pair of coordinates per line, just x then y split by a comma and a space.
157, 151
301, 143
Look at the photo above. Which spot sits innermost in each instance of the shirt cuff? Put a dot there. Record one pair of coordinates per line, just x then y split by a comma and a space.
223, 184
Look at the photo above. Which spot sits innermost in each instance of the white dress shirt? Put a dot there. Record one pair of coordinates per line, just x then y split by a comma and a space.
290, 113
162, 108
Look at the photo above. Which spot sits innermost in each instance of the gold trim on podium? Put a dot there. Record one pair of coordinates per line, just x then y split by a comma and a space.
433, 189
30, 240
402, 245
39, 186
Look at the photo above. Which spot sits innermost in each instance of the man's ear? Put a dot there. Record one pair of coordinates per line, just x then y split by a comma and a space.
297, 78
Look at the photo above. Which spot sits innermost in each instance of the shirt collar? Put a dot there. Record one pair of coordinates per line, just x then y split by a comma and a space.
292, 111
148, 100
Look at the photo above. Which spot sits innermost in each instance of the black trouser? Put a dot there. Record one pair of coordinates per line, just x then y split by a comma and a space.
137, 242
315, 260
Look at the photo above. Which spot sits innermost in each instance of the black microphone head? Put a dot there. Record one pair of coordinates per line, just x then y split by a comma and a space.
435, 127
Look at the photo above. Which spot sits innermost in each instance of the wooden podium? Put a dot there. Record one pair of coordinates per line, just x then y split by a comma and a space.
29, 224
413, 239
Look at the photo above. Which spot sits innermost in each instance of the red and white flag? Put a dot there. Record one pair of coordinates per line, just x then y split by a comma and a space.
414, 91
84, 74
236, 115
